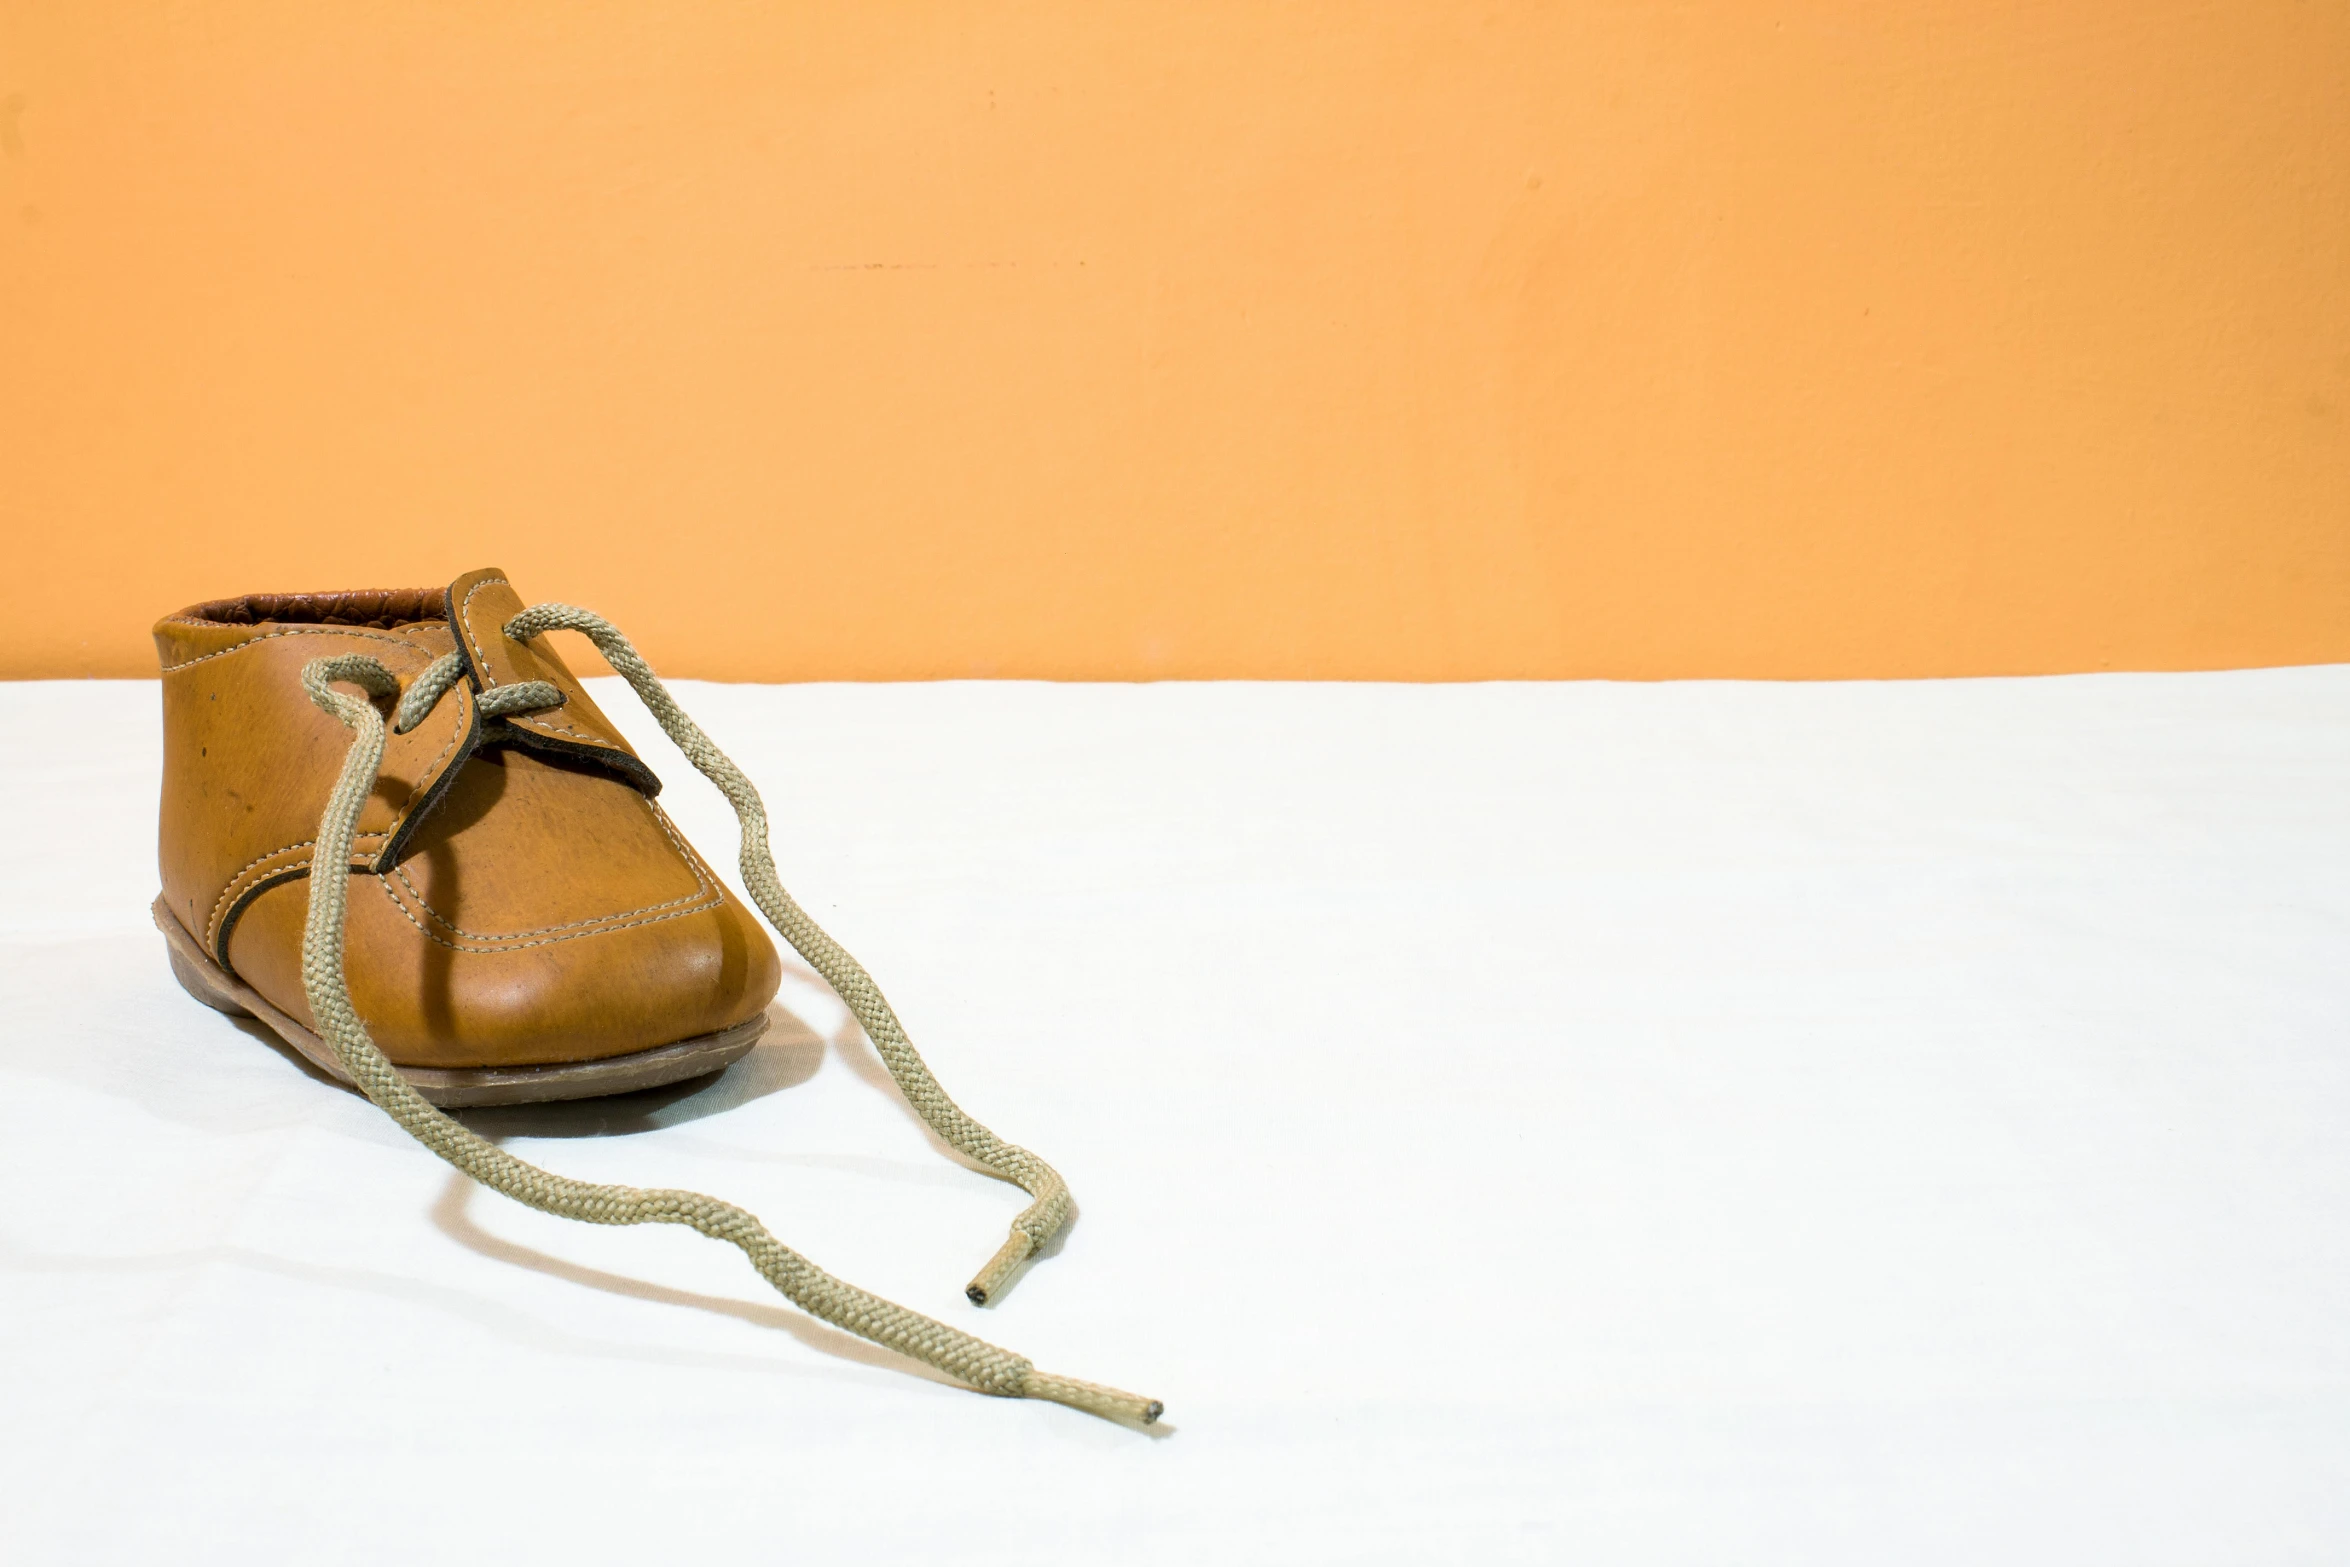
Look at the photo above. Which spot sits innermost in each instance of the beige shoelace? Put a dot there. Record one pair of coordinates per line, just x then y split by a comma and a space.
815, 1291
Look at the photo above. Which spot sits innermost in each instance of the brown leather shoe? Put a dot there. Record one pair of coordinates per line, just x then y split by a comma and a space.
509, 915
525, 921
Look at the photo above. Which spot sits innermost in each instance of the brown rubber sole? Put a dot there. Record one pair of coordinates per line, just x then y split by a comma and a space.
450, 1086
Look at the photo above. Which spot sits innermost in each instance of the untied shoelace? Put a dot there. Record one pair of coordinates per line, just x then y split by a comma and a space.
807, 1286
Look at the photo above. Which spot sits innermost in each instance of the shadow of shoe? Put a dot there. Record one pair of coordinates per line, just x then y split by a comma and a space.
788, 1055
254, 1028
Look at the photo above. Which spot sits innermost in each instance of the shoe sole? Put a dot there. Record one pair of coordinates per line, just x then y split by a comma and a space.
453, 1087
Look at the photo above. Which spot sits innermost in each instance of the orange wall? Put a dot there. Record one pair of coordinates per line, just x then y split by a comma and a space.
1419, 340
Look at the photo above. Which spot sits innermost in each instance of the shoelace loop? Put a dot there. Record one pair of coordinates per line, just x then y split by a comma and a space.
427, 689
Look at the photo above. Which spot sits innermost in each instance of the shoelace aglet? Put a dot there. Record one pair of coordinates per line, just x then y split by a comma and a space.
1093, 1398
1000, 1268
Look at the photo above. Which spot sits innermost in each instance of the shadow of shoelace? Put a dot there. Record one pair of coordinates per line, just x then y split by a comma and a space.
451, 1215
856, 1051
509, 1323
789, 1054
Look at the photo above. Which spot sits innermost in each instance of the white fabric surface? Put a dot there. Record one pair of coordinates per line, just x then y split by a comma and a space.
1594, 1123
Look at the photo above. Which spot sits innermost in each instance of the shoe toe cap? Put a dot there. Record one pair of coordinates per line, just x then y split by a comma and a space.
430, 998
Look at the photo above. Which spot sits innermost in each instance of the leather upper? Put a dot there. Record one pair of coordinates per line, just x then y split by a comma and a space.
518, 896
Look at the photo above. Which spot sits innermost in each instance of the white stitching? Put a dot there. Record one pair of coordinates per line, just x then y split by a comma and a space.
393, 898
212, 925
465, 617
294, 631
701, 895
481, 668
464, 723
542, 724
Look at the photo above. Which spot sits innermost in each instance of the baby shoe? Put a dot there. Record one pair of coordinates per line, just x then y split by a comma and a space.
511, 916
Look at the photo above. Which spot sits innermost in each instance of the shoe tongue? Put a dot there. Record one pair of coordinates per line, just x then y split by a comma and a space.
480, 603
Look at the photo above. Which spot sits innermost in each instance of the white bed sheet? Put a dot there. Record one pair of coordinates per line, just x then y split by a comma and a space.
1597, 1123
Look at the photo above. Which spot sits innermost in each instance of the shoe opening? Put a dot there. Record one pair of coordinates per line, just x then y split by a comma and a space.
385, 609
